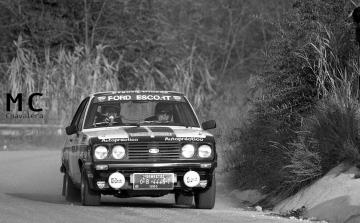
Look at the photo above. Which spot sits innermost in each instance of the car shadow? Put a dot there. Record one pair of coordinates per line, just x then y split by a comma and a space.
142, 202
48, 198
105, 202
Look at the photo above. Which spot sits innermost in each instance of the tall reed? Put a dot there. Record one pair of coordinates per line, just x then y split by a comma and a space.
65, 77
330, 135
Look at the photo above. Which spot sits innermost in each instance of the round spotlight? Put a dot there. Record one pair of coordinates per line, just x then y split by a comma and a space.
191, 179
116, 180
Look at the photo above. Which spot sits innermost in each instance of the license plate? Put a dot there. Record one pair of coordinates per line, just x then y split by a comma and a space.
153, 181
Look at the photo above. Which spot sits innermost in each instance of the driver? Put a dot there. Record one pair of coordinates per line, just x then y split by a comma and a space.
110, 114
163, 113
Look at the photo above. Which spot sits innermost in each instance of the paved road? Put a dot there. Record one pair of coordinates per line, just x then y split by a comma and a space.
30, 191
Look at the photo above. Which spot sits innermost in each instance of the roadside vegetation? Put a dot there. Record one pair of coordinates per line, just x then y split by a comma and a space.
67, 49
305, 115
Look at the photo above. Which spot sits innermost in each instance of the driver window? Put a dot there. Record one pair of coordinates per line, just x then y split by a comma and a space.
78, 113
82, 116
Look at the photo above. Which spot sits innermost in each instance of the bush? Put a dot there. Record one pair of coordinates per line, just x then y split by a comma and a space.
328, 137
304, 164
304, 119
335, 127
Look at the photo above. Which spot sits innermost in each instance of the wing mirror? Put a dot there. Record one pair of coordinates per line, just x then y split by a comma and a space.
71, 129
211, 124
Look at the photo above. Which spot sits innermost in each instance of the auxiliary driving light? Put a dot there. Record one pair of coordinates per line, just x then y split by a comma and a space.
191, 178
116, 180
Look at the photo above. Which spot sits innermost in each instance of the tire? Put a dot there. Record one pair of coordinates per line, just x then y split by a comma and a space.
63, 186
69, 190
88, 196
183, 199
206, 199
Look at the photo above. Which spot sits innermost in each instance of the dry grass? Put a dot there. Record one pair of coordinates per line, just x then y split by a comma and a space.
63, 79
69, 76
331, 134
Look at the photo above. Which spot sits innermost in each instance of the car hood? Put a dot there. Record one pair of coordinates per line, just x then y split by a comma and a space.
147, 133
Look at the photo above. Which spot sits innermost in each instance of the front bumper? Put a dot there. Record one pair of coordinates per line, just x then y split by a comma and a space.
100, 172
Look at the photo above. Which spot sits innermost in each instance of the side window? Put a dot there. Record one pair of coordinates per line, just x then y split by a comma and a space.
78, 113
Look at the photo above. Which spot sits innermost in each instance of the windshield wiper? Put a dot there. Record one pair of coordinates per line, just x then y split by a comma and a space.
105, 124
137, 124
100, 123
154, 122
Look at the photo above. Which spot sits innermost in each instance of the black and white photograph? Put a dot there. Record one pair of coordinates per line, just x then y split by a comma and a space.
206, 111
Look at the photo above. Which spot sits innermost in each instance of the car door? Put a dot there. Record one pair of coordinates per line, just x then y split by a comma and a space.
80, 145
74, 141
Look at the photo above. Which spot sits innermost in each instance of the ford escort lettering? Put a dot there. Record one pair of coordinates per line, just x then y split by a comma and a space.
139, 143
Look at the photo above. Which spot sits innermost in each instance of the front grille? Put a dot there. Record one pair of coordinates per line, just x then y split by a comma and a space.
140, 151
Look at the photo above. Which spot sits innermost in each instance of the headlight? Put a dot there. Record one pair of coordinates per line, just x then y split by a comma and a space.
204, 151
100, 152
188, 151
118, 152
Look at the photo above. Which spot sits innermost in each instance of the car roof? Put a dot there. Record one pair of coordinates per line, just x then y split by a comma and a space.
137, 92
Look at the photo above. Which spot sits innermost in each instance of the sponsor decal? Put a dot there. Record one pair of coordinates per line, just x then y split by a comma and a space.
101, 98
116, 180
179, 139
150, 97
142, 92
138, 97
119, 97
115, 140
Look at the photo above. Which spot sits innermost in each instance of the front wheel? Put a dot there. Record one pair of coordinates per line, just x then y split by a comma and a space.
88, 196
206, 199
69, 190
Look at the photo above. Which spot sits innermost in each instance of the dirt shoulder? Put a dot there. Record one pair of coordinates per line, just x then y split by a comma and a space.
335, 197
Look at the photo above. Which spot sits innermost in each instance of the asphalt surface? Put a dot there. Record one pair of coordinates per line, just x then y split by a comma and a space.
30, 191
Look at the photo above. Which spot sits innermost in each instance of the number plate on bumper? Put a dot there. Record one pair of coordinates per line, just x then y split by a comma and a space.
153, 181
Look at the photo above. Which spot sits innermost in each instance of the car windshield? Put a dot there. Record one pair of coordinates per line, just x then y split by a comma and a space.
138, 113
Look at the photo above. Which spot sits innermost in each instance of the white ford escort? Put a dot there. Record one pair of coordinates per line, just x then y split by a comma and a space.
139, 143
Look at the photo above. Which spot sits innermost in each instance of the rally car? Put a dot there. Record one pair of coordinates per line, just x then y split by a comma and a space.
139, 143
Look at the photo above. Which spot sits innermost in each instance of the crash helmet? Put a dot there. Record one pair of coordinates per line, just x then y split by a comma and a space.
111, 109
163, 111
